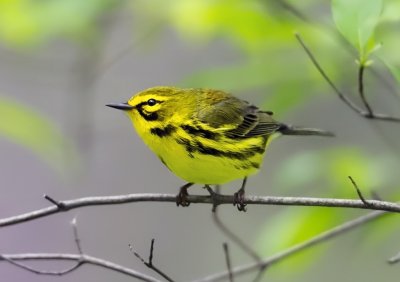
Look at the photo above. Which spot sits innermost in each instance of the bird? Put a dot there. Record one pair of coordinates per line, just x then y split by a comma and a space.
205, 136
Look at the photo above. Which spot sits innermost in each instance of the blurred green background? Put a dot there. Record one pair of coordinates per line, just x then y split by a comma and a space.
63, 60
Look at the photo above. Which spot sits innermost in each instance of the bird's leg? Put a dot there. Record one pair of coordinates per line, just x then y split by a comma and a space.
181, 198
238, 197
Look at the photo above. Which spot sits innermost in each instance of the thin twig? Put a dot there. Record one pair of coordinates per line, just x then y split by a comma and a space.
228, 261
297, 13
58, 204
293, 10
54, 272
260, 273
360, 195
200, 199
149, 263
79, 259
326, 77
76, 235
231, 235
40, 271
236, 239
341, 95
361, 90
320, 238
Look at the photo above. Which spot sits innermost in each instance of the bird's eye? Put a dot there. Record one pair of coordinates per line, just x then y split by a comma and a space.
151, 102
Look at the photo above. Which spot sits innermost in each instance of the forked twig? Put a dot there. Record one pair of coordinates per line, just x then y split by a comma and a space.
149, 263
248, 250
236, 239
318, 239
367, 114
78, 258
78, 263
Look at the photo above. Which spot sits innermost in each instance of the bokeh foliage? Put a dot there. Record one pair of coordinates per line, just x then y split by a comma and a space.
24, 126
272, 63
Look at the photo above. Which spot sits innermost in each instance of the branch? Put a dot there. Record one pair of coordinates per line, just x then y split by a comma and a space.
367, 114
236, 239
320, 238
231, 235
80, 259
197, 199
361, 90
149, 263
360, 195
228, 261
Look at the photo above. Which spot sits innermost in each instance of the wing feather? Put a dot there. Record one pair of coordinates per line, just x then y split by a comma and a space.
238, 118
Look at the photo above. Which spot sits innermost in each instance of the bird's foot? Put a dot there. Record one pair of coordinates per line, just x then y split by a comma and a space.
182, 197
238, 200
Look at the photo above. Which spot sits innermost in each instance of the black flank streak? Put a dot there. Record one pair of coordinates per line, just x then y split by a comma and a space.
190, 149
162, 160
242, 155
248, 165
201, 132
197, 146
255, 165
163, 132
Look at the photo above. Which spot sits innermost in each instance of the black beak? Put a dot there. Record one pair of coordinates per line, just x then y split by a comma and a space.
121, 106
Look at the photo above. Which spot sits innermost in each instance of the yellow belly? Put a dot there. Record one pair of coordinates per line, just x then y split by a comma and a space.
200, 168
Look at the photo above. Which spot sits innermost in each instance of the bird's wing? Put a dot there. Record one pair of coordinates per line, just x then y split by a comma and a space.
238, 118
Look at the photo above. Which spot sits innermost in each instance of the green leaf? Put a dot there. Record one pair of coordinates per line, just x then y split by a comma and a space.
26, 23
28, 128
391, 11
356, 20
248, 24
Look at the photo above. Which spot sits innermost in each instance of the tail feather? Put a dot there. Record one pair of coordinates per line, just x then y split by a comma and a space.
295, 130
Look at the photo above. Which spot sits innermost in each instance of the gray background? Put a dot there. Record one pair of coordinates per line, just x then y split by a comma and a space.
71, 86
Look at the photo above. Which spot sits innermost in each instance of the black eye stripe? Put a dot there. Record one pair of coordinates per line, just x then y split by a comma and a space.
152, 116
140, 105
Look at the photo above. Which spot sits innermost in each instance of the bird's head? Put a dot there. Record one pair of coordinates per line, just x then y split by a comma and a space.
158, 105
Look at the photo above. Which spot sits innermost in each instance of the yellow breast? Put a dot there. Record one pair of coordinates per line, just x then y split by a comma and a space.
202, 157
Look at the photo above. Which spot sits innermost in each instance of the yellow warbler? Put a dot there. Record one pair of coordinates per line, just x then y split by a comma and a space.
205, 136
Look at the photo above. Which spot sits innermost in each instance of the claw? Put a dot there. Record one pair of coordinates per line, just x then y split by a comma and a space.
238, 197
182, 197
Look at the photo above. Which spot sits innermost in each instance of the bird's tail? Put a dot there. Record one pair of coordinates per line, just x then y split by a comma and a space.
295, 130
